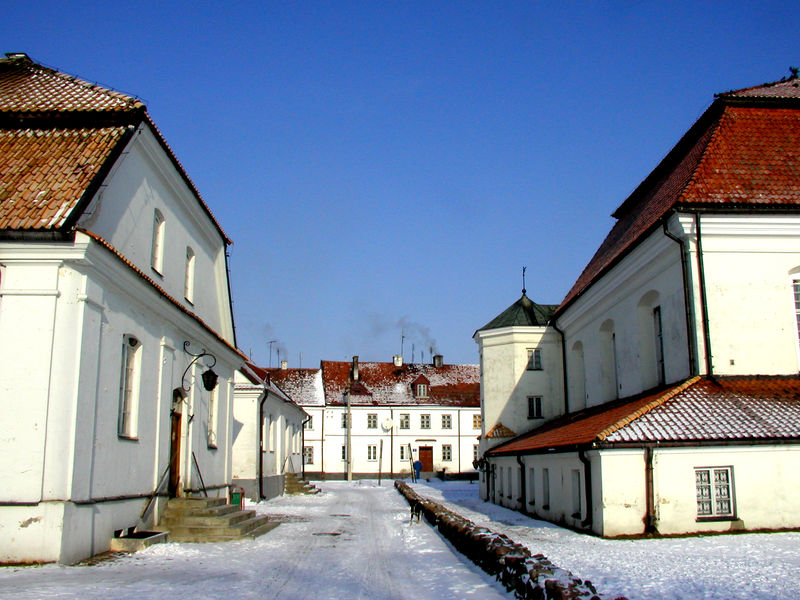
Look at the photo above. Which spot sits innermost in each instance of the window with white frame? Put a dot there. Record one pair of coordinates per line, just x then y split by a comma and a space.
447, 452
212, 418
403, 455
309, 423
714, 491
405, 421
372, 452
372, 421
475, 452
344, 452
129, 387
535, 407
188, 280
344, 420
157, 248
308, 455
534, 359
422, 390
447, 421
476, 421
424, 421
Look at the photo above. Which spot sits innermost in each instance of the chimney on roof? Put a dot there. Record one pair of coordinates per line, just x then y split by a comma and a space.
355, 368
284, 365
398, 360
438, 360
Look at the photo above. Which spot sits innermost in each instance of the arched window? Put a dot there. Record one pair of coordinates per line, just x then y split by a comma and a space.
157, 252
188, 284
577, 375
609, 369
651, 341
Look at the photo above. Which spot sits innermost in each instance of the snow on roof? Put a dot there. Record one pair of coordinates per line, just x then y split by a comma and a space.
303, 386
384, 383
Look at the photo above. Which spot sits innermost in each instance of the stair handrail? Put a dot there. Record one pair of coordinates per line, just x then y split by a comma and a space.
202, 483
153, 496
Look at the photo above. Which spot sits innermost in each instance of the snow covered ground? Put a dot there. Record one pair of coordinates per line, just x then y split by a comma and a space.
722, 567
353, 541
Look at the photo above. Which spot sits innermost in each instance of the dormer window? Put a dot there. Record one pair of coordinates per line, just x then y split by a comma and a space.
157, 250
422, 390
419, 387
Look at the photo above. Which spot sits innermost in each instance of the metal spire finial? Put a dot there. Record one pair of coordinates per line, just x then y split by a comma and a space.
523, 280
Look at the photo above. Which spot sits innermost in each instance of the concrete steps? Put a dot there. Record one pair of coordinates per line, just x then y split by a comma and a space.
294, 485
211, 520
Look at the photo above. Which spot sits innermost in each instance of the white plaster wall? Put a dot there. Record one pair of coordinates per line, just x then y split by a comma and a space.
621, 485
765, 487
506, 383
654, 266
143, 180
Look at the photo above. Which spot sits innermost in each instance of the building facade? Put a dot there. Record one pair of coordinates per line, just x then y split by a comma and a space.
679, 345
117, 347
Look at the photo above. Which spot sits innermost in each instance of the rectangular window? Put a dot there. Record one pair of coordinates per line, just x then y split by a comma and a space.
476, 421
188, 282
344, 452
714, 491
157, 250
475, 452
447, 453
534, 359
344, 420
659, 338
403, 453
309, 423
308, 455
546, 489
509, 474
535, 407
405, 421
422, 390
372, 452
576, 493
129, 387
447, 422
372, 421
531, 486
212, 418
424, 421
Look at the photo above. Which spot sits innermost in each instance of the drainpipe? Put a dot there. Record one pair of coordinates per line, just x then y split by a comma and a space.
563, 365
261, 445
587, 486
649, 515
691, 333
703, 297
522, 493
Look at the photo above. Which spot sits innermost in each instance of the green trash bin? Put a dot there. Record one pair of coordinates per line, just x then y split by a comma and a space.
236, 497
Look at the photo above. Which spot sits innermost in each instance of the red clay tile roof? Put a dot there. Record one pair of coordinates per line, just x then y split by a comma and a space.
68, 132
738, 153
303, 386
386, 384
698, 410
785, 88
45, 172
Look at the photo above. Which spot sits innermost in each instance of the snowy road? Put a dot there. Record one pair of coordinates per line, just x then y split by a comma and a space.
353, 541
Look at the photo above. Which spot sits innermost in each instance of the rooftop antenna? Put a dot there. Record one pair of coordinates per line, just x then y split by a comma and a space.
412, 353
523, 280
402, 341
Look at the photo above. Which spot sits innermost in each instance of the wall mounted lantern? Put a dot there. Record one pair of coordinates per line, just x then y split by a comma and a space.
209, 377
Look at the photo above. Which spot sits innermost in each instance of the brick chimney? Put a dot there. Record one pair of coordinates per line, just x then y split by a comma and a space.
438, 360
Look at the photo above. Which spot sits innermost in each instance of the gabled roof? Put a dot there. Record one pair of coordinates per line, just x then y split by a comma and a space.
700, 410
303, 386
524, 312
384, 384
499, 431
741, 153
59, 136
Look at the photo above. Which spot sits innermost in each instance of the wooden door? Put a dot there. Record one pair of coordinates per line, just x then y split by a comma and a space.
174, 453
426, 457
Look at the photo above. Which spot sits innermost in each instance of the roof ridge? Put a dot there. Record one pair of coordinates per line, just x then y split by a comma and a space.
669, 394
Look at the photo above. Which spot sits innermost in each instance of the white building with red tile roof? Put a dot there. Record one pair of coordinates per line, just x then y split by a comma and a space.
376, 418
114, 300
674, 405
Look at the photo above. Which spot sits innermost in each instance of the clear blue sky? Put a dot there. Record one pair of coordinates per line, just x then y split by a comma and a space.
389, 164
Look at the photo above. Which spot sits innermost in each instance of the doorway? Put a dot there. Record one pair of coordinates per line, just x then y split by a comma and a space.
175, 443
426, 457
